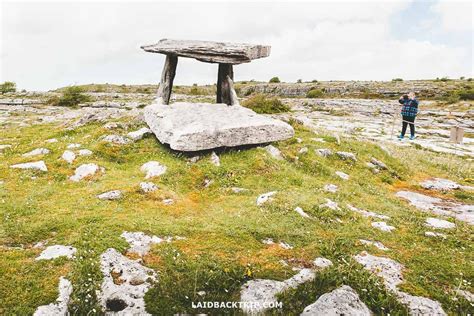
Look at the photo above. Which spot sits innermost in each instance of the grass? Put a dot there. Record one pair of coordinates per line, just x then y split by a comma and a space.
223, 230
263, 104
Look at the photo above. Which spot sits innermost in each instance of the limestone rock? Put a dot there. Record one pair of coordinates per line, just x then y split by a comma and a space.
321, 262
378, 163
346, 156
332, 188
263, 198
147, 187
167, 201
434, 234
341, 301
84, 171
73, 146
440, 184
342, 175
140, 243
324, 152
376, 244
84, 152
215, 159
261, 291
303, 150
300, 211
51, 140
116, 139
383, 226
38, 165
274, 152
137, 135
439, 223
462, 212
60, 307
366, 213
37, 152
3, 147
68, 156
153, 169
466, 294
211, 52
56, 251
330, 205
201, 126
125, 283
110, 195
238, 190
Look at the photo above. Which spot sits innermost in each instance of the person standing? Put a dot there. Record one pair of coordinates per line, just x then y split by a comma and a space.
409, 112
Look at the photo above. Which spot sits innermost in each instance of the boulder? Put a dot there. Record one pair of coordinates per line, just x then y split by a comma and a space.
68, 156
84, 171
38, 165
153, 169
341, 301
147, 187
137, 135
200, 126
110, 195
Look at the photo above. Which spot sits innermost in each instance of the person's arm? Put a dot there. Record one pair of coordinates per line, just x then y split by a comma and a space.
414, 102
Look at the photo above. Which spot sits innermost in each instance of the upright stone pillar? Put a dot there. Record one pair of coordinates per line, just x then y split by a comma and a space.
223, 91
167, 77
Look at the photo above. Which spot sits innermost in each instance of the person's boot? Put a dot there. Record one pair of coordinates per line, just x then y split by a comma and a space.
412, 137
400, 137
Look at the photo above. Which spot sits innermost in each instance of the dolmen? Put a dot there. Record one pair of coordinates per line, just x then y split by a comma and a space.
187, 126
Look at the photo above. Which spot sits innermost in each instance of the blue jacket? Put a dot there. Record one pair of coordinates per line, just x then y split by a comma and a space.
410, 107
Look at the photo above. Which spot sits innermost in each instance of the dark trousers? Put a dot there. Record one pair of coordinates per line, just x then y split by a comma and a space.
408, 120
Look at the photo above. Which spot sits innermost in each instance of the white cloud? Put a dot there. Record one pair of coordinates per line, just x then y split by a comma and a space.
47, 45
455, 15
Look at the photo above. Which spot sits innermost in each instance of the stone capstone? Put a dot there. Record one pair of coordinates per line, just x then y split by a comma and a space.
200, 126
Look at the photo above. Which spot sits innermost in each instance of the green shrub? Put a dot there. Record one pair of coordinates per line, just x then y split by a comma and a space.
397, 79
461, 78
466, 94
7, 86
275, 80
444, 79
261, 104
315, 93
299, 81
71, 97
469, 79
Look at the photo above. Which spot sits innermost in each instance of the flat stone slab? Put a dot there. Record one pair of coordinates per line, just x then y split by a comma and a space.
200, 126
210, 52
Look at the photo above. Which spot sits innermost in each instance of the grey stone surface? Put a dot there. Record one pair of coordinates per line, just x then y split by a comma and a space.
147, 187
110, 195
324, 152
211, 52
68, 156
56, 251
84, 152
341, 301
435, 234
263, 198
439, 223
153, 169
139, 134
332, 188
37, 165
440, 184
60, 306
274, 152
367, 213
73, 146
346, 155
301, 212
125, 284
391, 273
215, 160
199, 126
140, 243
378, 163
37, 152
342, 175
462, 212
383, 226
116, 139
330, 205
321, 262
376, 244
83, 171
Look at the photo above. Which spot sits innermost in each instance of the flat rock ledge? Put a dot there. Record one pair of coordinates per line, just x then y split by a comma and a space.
201, 126
58, 308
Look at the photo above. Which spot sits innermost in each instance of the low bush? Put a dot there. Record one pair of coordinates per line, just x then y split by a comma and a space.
71, 97
275, 80
466, 94
315, 93
7, 86
261, 104
397, 79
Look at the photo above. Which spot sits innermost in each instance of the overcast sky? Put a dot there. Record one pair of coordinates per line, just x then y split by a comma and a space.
45, 45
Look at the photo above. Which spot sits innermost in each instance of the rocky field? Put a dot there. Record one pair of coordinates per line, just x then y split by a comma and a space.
97, 216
